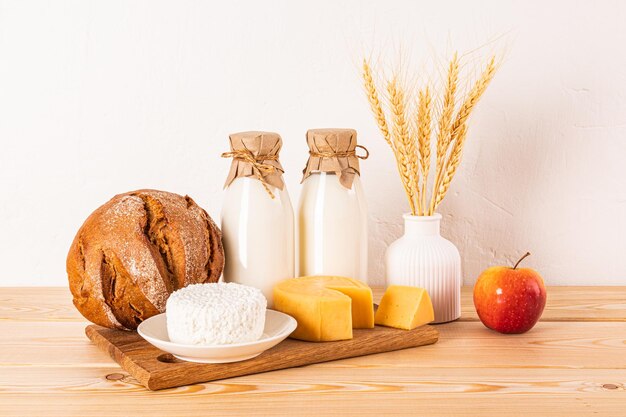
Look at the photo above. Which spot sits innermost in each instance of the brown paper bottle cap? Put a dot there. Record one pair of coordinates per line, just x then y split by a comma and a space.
333, 151
255, 154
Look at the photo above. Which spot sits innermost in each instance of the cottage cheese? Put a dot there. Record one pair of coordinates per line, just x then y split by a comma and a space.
215, 314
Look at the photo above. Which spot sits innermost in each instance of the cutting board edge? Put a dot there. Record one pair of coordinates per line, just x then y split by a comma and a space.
154, 381
115, 352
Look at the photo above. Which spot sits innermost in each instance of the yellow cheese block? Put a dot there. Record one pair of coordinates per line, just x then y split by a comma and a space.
405, 307
325, 307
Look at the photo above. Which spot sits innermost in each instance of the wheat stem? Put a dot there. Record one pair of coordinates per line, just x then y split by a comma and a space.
445, 123
451, 165
401, 139
372, 97
410, 136
424, 120
381, 120
458, 130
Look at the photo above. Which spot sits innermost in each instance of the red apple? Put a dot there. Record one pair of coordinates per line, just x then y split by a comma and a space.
509, 300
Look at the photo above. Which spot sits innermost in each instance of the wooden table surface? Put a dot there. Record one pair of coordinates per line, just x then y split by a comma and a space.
573, 363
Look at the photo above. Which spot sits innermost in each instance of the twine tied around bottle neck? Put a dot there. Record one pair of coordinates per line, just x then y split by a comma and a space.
334, 151
345, 154
259, 167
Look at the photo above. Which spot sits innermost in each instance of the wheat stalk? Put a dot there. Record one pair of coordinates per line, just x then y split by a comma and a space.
424, 120
452, 165
458, 131
410, 137
474, 95
445, 123
405, 147
381, 121
372, 97
445, 120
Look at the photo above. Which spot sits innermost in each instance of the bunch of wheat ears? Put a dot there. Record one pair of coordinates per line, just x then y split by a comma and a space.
412, 125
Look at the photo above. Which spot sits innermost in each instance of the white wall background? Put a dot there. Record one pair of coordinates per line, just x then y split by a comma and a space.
102, 97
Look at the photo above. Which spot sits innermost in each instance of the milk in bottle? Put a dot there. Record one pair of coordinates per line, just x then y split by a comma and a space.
257, 216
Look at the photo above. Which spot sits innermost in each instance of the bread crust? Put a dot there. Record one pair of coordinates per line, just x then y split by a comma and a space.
135, 250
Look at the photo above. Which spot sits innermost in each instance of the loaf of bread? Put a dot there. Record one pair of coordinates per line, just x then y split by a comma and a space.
135, 250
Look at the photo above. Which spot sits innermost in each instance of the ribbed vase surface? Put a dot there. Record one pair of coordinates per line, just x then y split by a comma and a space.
423, 258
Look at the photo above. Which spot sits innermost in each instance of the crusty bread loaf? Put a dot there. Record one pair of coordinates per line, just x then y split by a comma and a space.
135, 250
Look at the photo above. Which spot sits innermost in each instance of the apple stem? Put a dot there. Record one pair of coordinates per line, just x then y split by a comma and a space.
521, 259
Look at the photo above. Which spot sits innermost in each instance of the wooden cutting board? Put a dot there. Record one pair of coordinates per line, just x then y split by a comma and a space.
156, 369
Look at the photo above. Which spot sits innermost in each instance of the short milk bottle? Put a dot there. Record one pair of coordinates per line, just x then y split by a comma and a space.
332, 212
257, 216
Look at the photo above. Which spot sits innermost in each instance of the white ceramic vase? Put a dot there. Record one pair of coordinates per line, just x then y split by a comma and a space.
422, 258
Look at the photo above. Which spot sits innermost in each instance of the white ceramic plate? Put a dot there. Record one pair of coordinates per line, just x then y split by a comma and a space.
277, 327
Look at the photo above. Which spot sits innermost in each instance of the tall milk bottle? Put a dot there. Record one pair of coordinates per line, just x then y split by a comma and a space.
257, 216
332, 212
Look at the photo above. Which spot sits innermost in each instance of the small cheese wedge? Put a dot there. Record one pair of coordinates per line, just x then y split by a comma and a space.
325, 307
405, 307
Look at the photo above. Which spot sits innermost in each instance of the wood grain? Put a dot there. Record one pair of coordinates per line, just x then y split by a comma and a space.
569, 304
157, 370
564, 304
315, 402
572, 363
461, 344
544, 381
